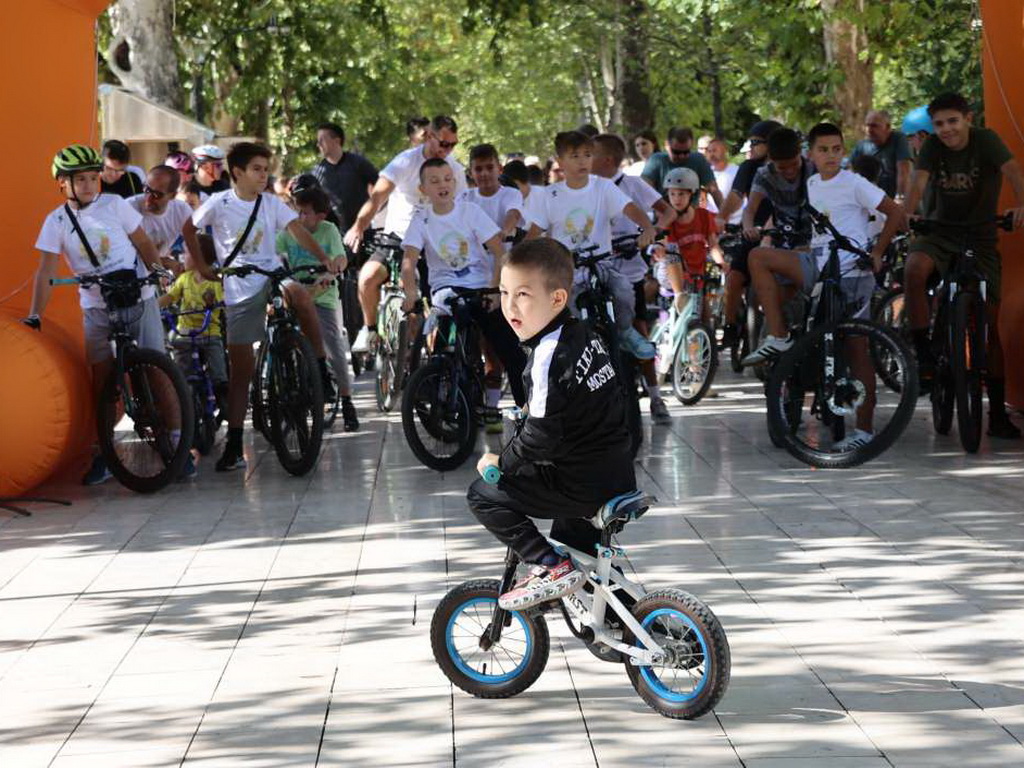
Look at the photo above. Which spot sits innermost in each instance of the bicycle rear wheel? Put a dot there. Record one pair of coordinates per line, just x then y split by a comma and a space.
968, 356
295, 403
145, 421
692, 376
811, 422
438, 421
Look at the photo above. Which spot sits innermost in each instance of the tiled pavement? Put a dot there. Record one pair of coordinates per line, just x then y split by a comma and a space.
874, 615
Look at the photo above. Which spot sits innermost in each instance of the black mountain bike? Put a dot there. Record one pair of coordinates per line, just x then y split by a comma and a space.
144, 418
960, 336
829, 375
287, 391
596, 308
443, 398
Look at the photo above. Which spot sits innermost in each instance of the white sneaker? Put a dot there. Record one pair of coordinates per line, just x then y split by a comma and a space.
856, 439
770, 348
365, 339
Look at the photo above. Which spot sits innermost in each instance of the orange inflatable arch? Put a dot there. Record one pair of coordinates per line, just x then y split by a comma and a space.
49, 98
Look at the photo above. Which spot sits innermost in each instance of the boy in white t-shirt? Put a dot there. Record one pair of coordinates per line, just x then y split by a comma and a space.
848, 199
452, 235
116, 240
578, 212
609, 152
227, 214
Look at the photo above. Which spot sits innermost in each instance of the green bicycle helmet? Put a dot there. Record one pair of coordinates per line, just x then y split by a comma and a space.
75, 158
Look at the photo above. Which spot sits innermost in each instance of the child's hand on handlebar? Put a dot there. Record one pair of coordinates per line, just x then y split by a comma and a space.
487, 460
647, 236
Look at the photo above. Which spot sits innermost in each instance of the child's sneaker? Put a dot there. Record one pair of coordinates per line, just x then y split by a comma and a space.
856, 439
98, 472
189, 471
659, 412
231, 459
348, 415
543, 584
770, 348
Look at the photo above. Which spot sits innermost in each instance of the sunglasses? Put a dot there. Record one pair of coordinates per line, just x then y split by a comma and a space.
679, 152
446, 144
150, 192
756, 142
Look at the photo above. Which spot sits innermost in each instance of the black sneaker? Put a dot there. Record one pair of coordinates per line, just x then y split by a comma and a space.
1001, 427
231, 459
348, 415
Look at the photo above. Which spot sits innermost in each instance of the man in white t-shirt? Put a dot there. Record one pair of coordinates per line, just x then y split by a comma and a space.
116, 241
399, 185
725, 173
163, 216
452, 235
228, 214
848, 200
578, 212
609, 150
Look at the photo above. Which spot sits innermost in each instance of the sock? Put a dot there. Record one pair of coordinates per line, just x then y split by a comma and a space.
653, 391
371, 328
996, 396
235, 438
549, 559
493, 397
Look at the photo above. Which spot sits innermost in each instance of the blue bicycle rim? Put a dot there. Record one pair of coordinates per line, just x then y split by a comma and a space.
469, 671
648, 673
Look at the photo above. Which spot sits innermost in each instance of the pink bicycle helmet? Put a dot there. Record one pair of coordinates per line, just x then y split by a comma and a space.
180, 161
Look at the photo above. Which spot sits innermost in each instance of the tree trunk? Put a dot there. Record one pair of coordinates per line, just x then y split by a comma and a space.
637, 110
714, 69
845, 41
142, 52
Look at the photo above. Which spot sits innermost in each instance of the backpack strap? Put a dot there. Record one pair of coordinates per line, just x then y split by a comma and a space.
240, 242
81, 236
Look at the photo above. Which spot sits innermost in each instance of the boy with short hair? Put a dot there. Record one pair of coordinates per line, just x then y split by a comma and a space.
119, 177
452, 235
578, 212
97, 234
229, 214
848, 200
572, 452
609, 152
962, 167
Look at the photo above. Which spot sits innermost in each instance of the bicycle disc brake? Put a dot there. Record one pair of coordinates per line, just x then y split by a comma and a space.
847, 396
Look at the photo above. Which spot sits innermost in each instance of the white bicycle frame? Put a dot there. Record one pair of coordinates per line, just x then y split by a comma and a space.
589, 610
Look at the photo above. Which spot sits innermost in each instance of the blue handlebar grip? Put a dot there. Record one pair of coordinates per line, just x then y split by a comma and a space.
63, 281
491, 474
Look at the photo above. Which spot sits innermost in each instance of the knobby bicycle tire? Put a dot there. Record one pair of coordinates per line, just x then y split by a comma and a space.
436, 374
295, 402
108, 413
968, 350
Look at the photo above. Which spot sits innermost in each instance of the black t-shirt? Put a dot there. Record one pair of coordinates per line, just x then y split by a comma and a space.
744, 181
220, 185
129, 185
346, 183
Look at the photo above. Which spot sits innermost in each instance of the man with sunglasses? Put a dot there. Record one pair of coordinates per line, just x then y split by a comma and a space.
680, 154
210, 169
163, 216
399, 186
117, 177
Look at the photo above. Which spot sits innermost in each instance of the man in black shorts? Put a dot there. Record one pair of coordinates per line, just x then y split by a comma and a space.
738, 277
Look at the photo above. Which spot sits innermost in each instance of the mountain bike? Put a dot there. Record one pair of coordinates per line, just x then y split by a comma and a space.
687, 352
673, 647
829, 374
204, 399
443, 398
960, 336
144, 418
287, 390
597, 309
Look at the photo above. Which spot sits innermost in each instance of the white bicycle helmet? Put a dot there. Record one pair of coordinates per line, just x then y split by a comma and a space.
207, 152
682, 178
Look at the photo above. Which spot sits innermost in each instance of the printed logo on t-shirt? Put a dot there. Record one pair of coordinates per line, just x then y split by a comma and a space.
100, 242
454, 251
579, 224
958, 183
253, 242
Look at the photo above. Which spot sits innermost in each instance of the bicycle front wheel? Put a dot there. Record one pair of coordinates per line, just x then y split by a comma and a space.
295, 403
827, 385
439, 424
145, 421
968, 356
695, 364
258, 393
889, 312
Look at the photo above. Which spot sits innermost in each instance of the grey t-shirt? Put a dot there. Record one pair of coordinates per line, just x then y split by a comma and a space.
889, 156
787, 197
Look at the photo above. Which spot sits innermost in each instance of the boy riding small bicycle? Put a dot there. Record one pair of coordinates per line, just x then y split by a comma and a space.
572, 452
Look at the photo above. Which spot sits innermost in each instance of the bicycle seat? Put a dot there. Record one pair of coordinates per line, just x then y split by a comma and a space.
622, 509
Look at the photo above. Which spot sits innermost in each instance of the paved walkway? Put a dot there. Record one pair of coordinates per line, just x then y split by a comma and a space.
874, 615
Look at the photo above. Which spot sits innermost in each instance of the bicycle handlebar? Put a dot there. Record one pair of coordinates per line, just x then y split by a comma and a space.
924, 226
823, 224
583, 257
278, 275
491, 474
207, 313
87, 281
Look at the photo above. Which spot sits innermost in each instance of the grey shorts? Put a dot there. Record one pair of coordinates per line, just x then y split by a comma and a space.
146, 329
247, 320
857, 289
211, 349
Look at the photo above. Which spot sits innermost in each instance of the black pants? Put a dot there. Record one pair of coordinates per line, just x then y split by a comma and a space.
505, 510
504, 342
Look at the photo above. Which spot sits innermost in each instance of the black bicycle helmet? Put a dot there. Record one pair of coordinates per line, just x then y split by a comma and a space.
762, 129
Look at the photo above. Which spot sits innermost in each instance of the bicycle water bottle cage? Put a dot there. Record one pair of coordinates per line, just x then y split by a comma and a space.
615, 513
120, 289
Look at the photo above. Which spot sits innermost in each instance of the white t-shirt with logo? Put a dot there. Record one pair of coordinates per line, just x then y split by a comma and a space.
163, 229
404, 172
227, 215
498, 205
106, 222
848, 200
530, 203
580, 217
453, 245
646, 197
724, 179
